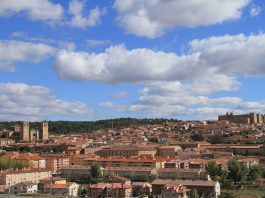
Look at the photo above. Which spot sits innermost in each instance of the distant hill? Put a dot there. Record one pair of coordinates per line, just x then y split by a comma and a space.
64, 127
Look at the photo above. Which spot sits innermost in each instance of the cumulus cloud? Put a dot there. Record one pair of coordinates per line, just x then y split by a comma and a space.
76, 8
172, 99
237, 55
19, 101
153, 17
44, 10
20, 51
118, 65
176, 99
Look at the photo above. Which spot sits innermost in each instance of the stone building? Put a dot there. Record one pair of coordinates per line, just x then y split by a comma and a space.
251, 118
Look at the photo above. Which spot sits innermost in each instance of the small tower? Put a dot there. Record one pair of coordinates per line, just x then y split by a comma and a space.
24, 131
44, 131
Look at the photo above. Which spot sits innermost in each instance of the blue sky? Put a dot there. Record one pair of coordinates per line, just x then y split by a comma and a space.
90, 60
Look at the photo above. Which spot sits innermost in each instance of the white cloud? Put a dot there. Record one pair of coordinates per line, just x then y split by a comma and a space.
43, 10
122, 94
151, 18
19, 101
19, 51
107, 104
118, 65
175, 99
255, 10
234, 55
97, 43
76, 8
237, 55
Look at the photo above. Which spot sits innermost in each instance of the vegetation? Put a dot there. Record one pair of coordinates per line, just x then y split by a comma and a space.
216, 172
226, 194
95, 174
197, 137
255, 172
64, 127
194, 193
47, 149
236, 173
13, 164
217, 139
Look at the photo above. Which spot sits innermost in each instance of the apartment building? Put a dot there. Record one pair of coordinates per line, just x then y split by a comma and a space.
152, 162
127, 150
55, 162
13, 177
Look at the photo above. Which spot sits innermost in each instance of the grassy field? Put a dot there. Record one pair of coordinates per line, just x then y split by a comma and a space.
248, 191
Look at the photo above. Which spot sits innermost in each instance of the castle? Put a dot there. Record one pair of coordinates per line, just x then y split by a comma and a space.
251, 118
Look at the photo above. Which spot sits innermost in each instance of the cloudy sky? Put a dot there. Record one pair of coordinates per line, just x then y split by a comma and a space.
90, 60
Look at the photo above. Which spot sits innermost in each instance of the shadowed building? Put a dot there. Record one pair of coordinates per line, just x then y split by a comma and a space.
251, 118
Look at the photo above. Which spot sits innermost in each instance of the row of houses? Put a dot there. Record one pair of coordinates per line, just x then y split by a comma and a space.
120, 187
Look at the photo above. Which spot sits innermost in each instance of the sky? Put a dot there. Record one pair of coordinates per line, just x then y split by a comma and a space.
101, 59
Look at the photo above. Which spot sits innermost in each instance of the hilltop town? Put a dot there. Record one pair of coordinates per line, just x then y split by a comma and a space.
172, 159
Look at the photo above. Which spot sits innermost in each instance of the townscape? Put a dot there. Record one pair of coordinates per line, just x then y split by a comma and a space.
132, 99
173, 159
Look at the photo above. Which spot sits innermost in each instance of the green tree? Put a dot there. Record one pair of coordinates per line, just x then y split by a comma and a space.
255, 172
237, 172
214, 170
224, 177
194, 193
95, 171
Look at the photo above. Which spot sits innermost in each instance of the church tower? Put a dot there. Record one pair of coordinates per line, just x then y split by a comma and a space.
44, 131
24, 131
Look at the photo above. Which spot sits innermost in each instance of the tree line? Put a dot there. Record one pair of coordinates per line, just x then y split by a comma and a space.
235, 172
64, 127
13, 164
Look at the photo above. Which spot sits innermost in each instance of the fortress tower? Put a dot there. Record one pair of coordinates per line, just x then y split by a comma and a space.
44, 131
